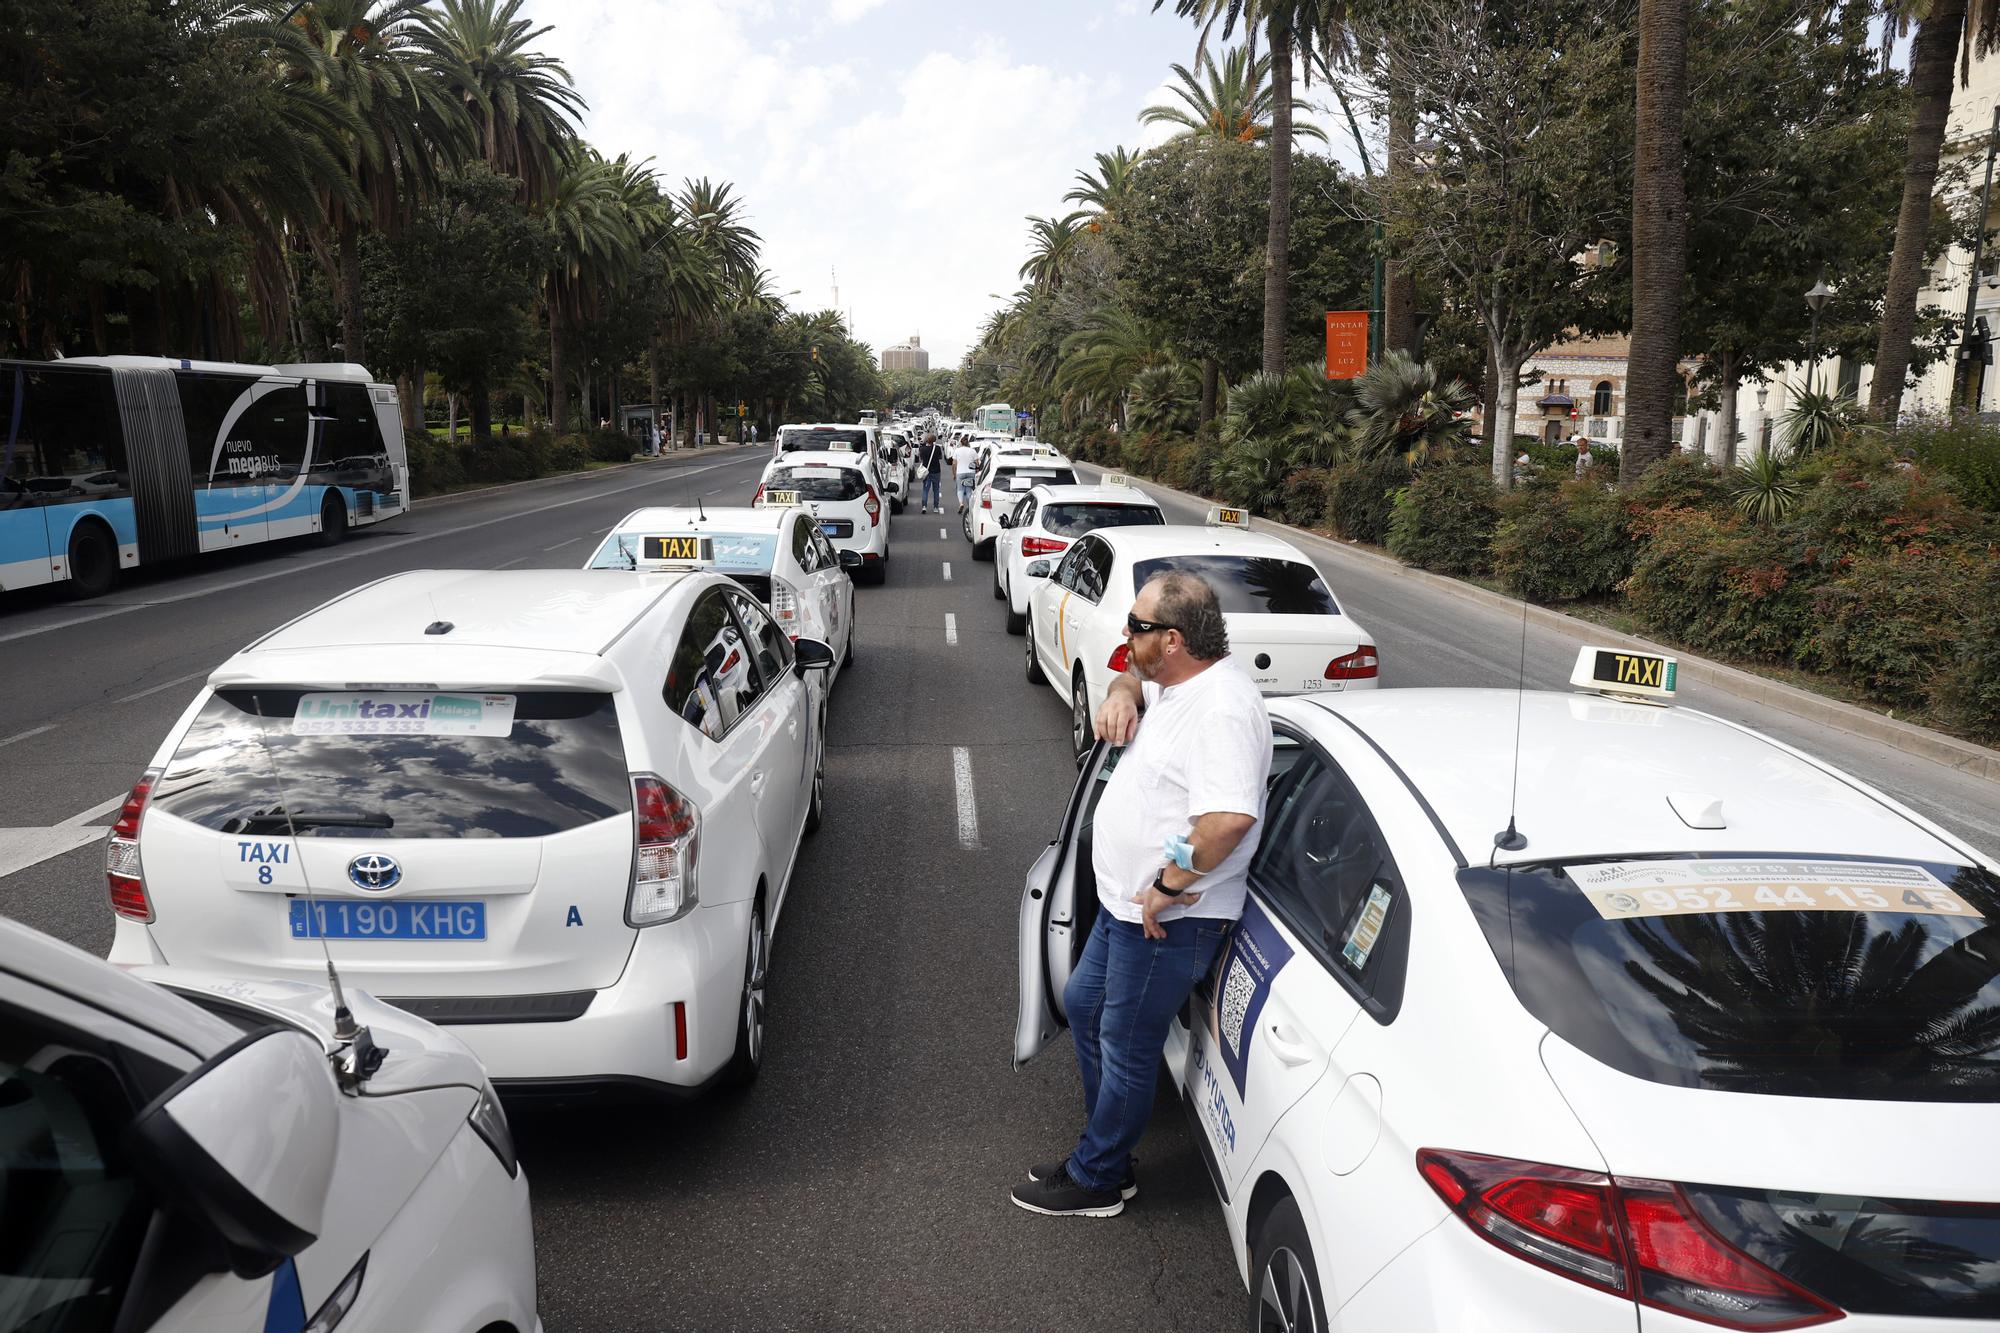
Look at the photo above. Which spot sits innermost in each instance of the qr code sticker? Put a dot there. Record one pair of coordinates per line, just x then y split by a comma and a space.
1235, 1005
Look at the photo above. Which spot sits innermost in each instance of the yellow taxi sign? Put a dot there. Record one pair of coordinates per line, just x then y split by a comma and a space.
675, 550
1625, 671
778, 499
1223, 516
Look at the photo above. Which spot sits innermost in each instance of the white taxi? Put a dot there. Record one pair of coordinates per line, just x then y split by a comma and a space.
1696, 1033
183, 1153
556, 811
841, 491
781, 555
1003, 478
1046, 521
1285, 628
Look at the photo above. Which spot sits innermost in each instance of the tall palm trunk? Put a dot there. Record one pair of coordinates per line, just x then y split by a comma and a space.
1278, 239
1659, 237
558, 380
1931, 58
1399, 285
1729, 373
353, 329
1211, 372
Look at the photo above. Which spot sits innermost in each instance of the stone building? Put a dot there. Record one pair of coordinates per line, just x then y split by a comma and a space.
906, 356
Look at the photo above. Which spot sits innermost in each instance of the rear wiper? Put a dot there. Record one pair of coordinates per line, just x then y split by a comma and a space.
279, 822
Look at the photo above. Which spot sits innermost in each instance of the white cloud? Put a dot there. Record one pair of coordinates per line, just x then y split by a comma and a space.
847, 11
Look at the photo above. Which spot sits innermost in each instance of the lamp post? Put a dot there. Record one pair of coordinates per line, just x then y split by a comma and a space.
1763, 397
1971, 351
1815, 301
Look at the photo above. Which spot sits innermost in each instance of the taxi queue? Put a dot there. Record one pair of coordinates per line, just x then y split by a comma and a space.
1548, 1010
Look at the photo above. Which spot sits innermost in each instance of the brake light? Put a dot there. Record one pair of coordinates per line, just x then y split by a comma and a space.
1361, 664
1032, 546
1634, 1238
1121, 657
758, 498
123, 876
666, 838
785, 605
986, 498
873, 504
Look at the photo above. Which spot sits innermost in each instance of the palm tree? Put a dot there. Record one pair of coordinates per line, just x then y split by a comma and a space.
595, 242
1659, 237
1400, 409
1164, 400
714, 214
1315, 31
1233, 100
1941, 25
523, 105
1055, 244
1101, 358
1108, 191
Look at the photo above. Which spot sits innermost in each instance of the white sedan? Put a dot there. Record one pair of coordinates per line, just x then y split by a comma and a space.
1046, 521
1698, 1033
186, 1153
1007, 474
1285, 629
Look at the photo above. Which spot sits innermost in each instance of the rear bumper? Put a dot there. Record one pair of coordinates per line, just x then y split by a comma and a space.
1451, 1281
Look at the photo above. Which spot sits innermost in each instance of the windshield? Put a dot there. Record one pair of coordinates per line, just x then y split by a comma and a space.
1073, 520
819, 483
1825, 978
828, 440
1019, 480
1264, 585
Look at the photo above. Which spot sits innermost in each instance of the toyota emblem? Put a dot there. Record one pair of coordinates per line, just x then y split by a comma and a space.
374, 872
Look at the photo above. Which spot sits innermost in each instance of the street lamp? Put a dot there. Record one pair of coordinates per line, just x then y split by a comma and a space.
1763, 397
1816, 301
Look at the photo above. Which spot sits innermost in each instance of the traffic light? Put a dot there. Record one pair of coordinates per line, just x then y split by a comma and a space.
815, 353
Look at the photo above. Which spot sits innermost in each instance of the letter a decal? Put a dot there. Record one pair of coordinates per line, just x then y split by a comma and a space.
575, 918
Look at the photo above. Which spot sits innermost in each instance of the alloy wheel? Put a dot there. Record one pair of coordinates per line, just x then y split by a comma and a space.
1284, 1296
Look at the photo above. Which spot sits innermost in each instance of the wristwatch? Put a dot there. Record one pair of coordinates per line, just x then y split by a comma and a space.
1160, 884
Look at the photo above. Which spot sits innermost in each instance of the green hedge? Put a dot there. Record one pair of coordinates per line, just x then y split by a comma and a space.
1443, 520
1359, 495
1961, 448
438, 465
1563, 543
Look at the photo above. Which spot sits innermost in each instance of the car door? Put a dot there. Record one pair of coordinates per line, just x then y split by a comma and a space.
781, 773
1050, 600
839, 586
1058, 908
1079, 609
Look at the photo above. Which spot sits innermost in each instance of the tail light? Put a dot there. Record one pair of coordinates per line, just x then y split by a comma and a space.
758, 498
873, 504
1121, 657
123, 875
1033, 546
986, 498
1361, 664
666, 837
1639, 1239
785, 605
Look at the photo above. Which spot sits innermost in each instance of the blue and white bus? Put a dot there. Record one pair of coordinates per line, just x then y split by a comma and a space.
108, 463
998, 418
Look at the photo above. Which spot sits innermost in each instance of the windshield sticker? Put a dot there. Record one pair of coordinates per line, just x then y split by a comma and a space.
1624, 889
404, 714
1367, 928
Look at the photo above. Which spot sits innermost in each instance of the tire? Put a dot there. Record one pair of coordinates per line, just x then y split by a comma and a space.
332, 520
1081, 736
1016, 624
1035, 676
93, 560
816, 812
983, 550
896, 506
878, 573
847, 659
1284, 1281
999, 593
749, 1057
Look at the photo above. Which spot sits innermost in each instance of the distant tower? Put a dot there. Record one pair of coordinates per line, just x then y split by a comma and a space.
908, 355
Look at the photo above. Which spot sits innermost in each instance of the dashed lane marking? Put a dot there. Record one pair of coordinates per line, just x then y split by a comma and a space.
968, 805
947, 571
941, 533
950, 628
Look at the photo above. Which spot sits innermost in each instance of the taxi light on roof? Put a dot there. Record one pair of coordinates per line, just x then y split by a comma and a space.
1224, 516
1625, 673
1116, 479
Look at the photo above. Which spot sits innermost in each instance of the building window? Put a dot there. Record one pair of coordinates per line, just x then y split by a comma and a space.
1600, 402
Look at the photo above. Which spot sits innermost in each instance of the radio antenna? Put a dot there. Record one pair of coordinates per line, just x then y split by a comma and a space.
1509, 839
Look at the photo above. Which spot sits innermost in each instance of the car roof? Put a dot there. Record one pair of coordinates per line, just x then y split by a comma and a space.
1092, 495
50, 963
1595, 775
821, 458
1149, 541
739, 517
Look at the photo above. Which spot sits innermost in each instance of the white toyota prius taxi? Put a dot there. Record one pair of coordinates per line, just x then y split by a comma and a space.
1699, 1033
1285, 629
554, 810
182, 1153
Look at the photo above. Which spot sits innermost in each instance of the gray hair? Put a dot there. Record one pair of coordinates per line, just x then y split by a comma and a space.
1189, 605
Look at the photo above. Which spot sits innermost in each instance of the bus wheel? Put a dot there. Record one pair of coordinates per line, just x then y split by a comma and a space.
93, 560
332, 519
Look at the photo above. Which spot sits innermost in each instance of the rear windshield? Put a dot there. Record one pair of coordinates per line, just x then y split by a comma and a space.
819, 483
832, 441
1263, 585
557, 762
1075, 520
1023, 479
1834, 989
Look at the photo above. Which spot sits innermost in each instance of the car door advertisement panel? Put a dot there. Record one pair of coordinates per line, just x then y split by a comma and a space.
1231, 999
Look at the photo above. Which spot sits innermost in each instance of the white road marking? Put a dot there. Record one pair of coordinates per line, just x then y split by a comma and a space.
167, 685
97, 811
21, 848
23, 735
559, 545
940, 533
947, 571
968, 806
509, 564
950, 628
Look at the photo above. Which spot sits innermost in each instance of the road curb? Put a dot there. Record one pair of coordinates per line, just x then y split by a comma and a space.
706, 451
1904, 737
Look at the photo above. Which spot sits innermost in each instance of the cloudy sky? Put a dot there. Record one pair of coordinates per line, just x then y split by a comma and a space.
897, 143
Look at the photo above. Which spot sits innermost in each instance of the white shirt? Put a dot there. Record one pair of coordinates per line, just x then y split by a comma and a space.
962, 459
1202, 748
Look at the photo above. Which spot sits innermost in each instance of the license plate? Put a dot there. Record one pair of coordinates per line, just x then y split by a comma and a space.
832, 527
347, 919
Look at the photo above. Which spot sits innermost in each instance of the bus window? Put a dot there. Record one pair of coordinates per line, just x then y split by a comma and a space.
68, 445
237, 436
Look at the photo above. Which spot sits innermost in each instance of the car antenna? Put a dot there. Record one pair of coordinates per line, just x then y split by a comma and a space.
1510, 838
365, 1057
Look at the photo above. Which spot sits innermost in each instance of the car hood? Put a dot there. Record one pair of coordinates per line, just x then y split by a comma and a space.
420, 1054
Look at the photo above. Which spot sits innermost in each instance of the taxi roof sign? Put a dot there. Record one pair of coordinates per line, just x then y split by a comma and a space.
770, 499
1225, 516
1626, 673
679, 551
1116, 479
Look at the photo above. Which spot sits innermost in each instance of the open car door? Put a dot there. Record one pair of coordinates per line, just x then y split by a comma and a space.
1058, 908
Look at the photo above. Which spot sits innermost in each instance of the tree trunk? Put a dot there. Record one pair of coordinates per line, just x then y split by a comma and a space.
482, 411
1210, 372
451, 417
1399, 285
1732, 380
1278, 239
1659, 237
410, 393
1932, 56
558, 385
353, 329
1489, 402
1507, 376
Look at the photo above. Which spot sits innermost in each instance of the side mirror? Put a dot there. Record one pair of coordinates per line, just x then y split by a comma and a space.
850, 561
246, 1143
1039, 569
1006, 520
811, 655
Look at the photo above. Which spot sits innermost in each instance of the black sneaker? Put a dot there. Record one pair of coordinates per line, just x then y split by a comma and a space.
1128, 1188
1059, 1196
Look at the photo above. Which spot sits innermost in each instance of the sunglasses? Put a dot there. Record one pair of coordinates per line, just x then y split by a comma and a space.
1134, 625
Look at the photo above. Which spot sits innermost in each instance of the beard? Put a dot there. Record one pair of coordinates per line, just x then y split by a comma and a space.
1145, 660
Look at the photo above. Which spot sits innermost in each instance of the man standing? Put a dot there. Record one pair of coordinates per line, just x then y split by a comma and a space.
1172, 842
963, 460
930, 463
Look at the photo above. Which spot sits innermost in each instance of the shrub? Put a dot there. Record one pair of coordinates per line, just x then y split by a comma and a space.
1443, 520
1859, 499
569, 454
1893, 619
1359, 495
607, 445
1682, 480
1714, 582
1966, 693
1563, 543
1252, 474
1961, 448
1304, 502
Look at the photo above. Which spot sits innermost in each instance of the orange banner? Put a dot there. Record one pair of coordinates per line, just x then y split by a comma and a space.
1346, 344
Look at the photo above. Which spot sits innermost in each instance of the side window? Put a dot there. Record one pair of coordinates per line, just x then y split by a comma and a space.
1093, 564
711, 677
1071, 563
802, 545
771, 646
1024, 512
274, 428
1325, 868
350, 434
61, 439
828, 557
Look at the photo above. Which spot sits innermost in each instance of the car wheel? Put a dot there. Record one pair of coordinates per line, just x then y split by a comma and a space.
982, 550
817, 810
965, 524
999, 593
1284, 1284
93, 560
1016, 623
847, 659
749, 1057
896, 505
332, 520
1035, 676
1080, 734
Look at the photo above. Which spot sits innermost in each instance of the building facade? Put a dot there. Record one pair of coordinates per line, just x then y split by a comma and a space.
1576, 387
908, 355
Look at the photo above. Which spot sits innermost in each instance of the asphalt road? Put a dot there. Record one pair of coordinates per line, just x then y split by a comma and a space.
861, 1184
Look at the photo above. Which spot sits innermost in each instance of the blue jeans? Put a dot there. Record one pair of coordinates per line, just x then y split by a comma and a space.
964, 489
1123, 995
933, 492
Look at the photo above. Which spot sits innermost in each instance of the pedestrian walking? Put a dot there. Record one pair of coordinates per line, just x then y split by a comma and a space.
1584, 462
930, 464
1172, 840
964, 471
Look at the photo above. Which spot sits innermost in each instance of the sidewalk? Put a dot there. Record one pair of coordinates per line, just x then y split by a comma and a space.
699, 451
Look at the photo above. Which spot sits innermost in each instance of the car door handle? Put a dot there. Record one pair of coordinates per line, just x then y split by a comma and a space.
757, 784
1285, 1044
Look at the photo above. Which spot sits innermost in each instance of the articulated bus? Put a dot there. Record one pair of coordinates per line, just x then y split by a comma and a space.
108, 463
998, 417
